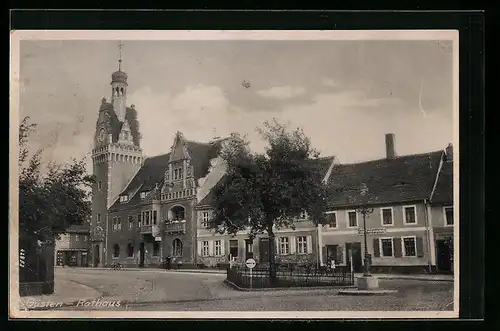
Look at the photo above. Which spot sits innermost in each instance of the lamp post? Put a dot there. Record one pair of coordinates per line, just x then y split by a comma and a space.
364, 210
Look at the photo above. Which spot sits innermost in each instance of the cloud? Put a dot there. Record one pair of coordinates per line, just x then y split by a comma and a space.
330, 82
196, 112
281, 92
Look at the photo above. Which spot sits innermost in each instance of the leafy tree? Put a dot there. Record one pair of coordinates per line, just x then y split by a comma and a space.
264, 192
50, 203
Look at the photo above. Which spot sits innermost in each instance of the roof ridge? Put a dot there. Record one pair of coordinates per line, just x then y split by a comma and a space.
396, 158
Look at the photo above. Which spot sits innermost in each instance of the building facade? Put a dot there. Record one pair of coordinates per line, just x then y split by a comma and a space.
299, 245
72, 247
410, 213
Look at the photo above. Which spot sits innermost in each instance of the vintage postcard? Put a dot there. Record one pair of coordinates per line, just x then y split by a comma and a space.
234, 174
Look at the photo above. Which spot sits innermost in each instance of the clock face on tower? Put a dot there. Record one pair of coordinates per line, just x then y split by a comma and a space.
102, 135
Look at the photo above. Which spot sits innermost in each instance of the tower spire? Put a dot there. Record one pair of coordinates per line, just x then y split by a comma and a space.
120, 45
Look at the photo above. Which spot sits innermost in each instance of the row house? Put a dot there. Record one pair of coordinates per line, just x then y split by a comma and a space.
297, 245
409, 224
71, 249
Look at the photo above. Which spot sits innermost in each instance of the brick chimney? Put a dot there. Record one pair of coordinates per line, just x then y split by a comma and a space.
390, 146
449, 152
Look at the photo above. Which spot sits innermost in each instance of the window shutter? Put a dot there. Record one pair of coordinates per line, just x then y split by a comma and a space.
277, 245
293, 244
324, 253
419, 246
397, 247
211, 244
340, 254
309, 244
376, 247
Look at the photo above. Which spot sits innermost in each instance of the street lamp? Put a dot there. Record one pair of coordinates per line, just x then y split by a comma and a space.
365, 211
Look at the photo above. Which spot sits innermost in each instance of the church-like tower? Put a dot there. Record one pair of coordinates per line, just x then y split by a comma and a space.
116, 158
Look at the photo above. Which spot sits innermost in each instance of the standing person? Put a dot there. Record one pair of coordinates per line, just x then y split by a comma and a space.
332, 265
169, 262
179, 264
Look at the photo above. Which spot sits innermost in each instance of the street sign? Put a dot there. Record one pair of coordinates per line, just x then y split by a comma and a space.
361, 231
250, 263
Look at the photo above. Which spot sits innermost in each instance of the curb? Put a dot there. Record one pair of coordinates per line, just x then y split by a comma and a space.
243, 289
415, 278
221, 272
366, 293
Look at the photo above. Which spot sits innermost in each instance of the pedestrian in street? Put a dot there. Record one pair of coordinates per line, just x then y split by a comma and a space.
169, 261
179, 264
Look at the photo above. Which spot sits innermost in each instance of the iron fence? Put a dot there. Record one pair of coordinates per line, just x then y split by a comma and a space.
260, 277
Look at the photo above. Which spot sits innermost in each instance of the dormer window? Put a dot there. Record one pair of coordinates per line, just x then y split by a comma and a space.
303, 215
123, 198
143, 194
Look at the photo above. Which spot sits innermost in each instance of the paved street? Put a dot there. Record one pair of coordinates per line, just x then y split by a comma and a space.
150, 290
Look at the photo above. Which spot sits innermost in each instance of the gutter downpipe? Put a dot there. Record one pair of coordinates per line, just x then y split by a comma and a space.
428, 233
320, 245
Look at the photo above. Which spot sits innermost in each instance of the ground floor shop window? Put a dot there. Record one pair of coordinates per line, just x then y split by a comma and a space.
409, 246
387, 246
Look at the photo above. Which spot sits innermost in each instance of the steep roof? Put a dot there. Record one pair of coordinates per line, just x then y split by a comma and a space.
443, 192
323, 165
78, 228
150, 176
115, 125
404, 178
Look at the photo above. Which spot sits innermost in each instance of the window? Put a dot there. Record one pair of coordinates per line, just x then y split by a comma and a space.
331, 218
352, 219
144, 194
205, 248
98, 218
119, 223
123, 198
156, 248
99, 185
387, 248
205, 219
147, 218
130, 250
139, 221
85, 238
233, 248
218, 247
177, 247
410, 216
448, 216
303, 215
114, 224
178, 173
284, 246
178, 213
409, 246
302, 245
155, 217
130, 222
116, 251
77, 238
386, 216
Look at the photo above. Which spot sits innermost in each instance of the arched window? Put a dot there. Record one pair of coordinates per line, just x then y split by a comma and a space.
130, 250
177, 247
177, 213
116, 250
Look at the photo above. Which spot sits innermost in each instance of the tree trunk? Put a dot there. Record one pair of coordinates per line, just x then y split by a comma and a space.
272, 255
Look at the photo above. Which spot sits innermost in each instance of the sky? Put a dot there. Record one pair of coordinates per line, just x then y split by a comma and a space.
346, 95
